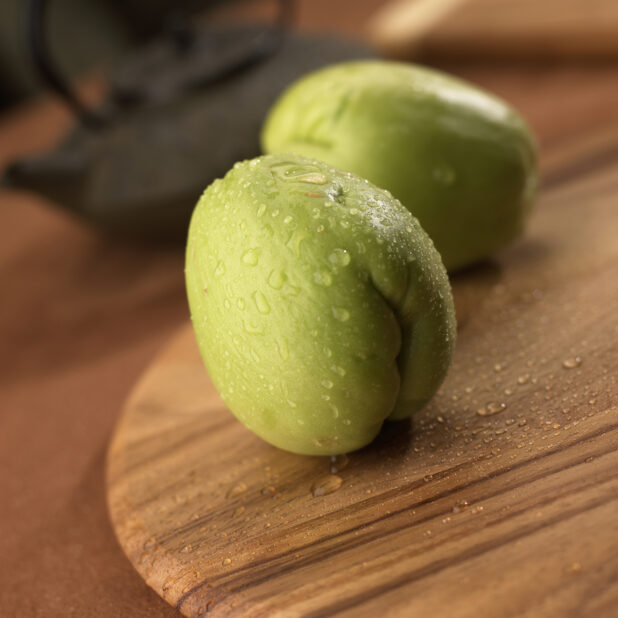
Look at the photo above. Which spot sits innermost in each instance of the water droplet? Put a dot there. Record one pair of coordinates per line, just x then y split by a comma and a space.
572, 363
236, 490
260, 302
269, 491
444, 174
226, 303
346, 421
284, 351
462, 504
251, 256
498, 367
261, 210
327, 384
291, 290
276, 279
220, 269
341, 314
275, 213
316, 179
323, 277
226, 561
288, 220
295, 240
334, 409
319, 229
339, 257
491, 409
338, 462
252, 328
326, 485
523, 379
238, 511
338, 370
328, 352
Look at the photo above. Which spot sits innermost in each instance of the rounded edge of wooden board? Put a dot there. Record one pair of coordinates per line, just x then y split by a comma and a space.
131, 535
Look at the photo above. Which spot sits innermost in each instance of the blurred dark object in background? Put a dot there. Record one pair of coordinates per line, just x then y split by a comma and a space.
497, 29
181, 110
82, 33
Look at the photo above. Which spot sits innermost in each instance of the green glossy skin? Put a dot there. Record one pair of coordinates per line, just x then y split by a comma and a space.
319, 304
463, 162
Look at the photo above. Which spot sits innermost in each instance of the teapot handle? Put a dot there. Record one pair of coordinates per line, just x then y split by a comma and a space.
36, 14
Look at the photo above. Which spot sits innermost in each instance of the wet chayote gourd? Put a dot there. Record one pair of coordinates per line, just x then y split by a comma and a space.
321, 307
460, 160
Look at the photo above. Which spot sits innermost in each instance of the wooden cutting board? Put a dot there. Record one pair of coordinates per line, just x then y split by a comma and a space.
500, 499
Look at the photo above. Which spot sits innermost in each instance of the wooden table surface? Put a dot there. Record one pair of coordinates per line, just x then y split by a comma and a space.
82, 315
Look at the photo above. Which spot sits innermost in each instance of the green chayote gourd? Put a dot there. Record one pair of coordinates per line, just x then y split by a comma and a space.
319, 304
460, 160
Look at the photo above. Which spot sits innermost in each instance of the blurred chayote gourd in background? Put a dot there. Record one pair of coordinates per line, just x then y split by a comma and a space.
462, 161
321, 307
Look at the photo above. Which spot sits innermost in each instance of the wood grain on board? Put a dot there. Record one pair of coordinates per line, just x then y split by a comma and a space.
500, 498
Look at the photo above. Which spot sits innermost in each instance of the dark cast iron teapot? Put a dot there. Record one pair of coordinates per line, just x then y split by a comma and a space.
179, 113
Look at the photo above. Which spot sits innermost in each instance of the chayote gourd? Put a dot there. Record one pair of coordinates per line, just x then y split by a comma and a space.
320, 306
462, 161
